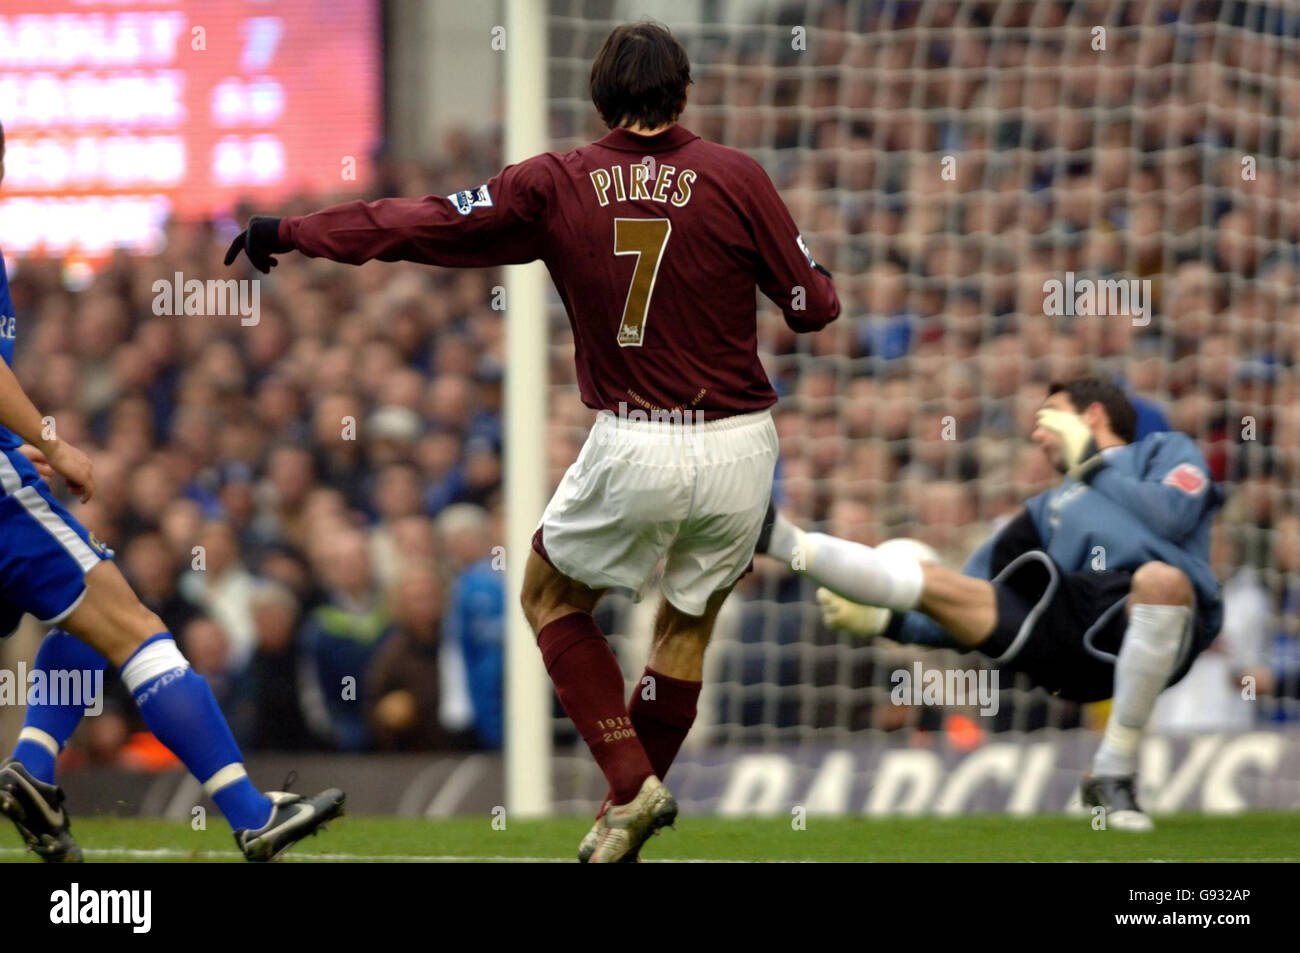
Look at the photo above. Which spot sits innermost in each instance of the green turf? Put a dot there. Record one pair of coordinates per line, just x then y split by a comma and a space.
1254, 836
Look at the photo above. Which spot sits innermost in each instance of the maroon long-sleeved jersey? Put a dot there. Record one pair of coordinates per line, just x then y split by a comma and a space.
655, 244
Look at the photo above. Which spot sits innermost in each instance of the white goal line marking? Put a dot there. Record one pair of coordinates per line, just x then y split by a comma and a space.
164, 853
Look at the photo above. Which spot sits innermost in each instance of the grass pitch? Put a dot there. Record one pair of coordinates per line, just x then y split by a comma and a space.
1187, 837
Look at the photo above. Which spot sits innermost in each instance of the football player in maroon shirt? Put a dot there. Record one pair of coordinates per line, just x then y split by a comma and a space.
656, 241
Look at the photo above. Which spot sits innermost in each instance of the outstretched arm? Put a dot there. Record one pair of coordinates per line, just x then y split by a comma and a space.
502, 222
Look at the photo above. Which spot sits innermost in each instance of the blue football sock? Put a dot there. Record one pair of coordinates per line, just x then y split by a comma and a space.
51, 718
179, 708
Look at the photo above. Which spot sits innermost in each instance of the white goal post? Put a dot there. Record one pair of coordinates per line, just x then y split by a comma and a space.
527, 690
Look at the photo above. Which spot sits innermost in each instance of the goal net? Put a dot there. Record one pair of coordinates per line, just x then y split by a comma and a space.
948, 161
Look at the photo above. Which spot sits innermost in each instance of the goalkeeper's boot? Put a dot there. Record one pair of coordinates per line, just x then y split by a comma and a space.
293, 817
1117, 796
36, 808
628, 826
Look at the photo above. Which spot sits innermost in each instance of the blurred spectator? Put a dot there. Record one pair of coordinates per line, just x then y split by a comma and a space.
475, 626
222, 587
205, 646
1283, 658
406, 683
152, 572
339, 639
398, 495
273, 718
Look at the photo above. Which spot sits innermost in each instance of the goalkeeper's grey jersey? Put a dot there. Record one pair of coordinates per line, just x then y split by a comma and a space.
1153, 501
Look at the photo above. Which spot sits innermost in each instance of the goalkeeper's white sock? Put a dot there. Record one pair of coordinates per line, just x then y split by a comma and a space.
1146, 660
784, 541
854, 571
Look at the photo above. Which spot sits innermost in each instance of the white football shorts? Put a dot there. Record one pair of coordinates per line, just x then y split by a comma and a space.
692, 495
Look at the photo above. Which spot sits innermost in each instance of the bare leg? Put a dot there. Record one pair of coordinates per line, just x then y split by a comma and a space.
111, 619
680, 639
550, 595
966, 607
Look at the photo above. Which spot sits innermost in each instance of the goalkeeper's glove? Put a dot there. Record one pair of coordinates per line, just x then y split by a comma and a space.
1078, 447
259, 242
849, 616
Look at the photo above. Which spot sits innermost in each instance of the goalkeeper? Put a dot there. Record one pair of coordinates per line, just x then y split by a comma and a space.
1099, 588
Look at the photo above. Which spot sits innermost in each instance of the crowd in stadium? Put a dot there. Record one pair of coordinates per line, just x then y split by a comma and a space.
313, 503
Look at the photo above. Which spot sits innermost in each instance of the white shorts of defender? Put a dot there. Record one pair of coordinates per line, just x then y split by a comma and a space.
692, 496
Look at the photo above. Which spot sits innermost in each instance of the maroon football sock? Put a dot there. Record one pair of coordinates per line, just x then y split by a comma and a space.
662, 718
662, 712
589, 684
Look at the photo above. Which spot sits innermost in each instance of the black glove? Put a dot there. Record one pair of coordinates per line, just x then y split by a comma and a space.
259, 242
